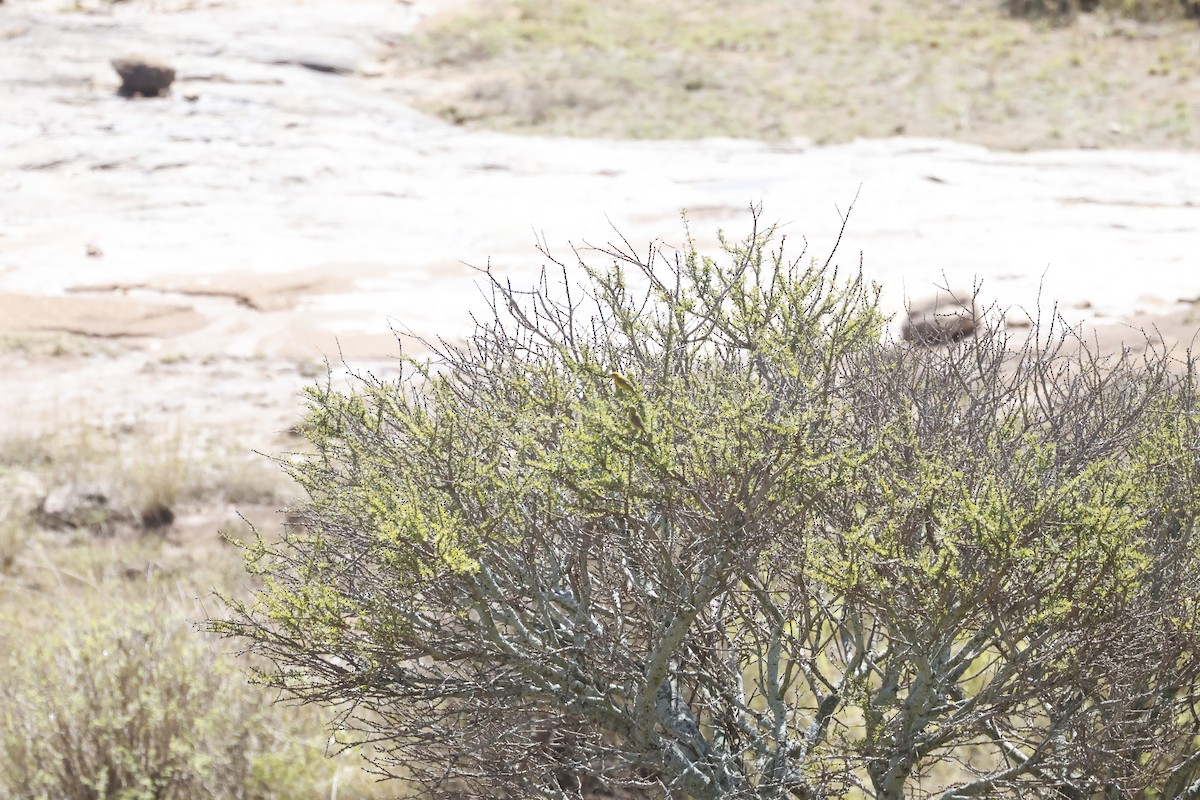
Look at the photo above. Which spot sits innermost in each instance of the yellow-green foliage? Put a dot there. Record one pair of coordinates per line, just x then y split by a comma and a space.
433, 470
1041, 536
716, 479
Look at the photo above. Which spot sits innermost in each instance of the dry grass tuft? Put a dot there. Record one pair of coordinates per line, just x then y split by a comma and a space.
115, 694
143, 470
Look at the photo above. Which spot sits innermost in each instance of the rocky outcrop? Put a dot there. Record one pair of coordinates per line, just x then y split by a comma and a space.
85, 505
143, 75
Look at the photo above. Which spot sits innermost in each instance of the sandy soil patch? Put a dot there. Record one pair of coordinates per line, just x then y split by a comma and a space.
257, 292
95, 316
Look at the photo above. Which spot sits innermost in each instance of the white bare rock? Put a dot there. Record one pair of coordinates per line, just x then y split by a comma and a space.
298, 213
83, 504
947, 316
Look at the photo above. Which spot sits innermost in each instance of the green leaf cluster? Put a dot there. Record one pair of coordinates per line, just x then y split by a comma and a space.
684, 483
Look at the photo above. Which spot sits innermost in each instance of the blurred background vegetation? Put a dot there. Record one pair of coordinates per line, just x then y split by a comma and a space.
107, 690
1010, 74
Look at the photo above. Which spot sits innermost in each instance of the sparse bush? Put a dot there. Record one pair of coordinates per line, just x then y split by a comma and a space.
125, 705
693, 529
129, 703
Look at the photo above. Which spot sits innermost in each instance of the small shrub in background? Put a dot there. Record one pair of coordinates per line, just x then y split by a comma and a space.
1136, 9
128, 703
122, 706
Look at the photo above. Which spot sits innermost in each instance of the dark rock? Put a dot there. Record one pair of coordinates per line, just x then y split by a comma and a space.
946, 317
141, 75
331, 65
82, 505
157, 515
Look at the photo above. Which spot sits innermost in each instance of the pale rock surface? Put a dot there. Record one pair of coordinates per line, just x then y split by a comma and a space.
86, 505
277, 211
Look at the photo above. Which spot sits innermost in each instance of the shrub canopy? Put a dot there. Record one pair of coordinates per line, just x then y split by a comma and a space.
697, 528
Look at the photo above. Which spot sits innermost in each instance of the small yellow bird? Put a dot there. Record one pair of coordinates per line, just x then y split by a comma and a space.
635, 419
622, 383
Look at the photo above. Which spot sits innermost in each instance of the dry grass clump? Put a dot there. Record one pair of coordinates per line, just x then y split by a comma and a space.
123, 705
55, 345
113, 695
830, 72
141, 471
107, 691
14, 531
19, 495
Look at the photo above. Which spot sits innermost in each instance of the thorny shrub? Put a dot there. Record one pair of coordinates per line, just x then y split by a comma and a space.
696, 528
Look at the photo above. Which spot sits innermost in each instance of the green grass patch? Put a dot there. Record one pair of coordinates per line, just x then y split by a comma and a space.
830, 72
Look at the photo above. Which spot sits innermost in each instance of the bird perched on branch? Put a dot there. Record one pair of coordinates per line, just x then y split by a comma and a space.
622, 383
635, 419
